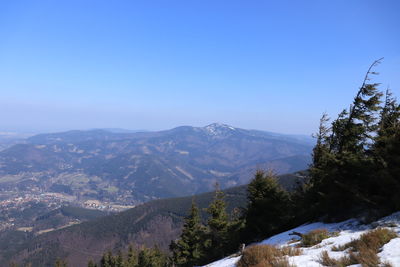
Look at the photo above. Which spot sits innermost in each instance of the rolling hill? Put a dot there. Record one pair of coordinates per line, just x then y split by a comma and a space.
134, 167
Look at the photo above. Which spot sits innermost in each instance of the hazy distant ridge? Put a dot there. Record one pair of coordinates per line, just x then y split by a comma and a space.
146, 165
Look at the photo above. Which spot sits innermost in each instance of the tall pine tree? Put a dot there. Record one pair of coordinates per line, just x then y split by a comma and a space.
188, 250
386, 149
217, 233
341, 176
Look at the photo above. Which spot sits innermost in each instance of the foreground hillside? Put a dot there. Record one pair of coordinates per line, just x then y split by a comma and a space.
333, 246
153, 223
131, 168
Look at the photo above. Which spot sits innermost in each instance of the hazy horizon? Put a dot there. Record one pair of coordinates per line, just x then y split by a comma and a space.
46, 131
267, 65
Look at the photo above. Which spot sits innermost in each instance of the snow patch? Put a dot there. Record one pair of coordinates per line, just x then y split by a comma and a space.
391, 252
347, 231
218, 129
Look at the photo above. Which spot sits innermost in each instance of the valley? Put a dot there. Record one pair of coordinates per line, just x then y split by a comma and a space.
113, 171
52, 184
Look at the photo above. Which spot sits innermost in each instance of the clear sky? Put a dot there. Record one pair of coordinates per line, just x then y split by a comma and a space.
268, 65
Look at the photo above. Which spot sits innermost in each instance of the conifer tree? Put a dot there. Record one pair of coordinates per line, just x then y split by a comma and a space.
132, 258
386, 150
188, 250
307, 194
236, 226
107, 260
360, 124
216, 241
92, 264
145, 257
268, 209
151, 258
60, 263
341, 176
119, 260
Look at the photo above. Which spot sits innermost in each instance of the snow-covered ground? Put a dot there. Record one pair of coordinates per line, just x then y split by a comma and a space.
347, 231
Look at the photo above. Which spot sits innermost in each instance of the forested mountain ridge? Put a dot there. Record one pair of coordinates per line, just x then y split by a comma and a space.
137, 167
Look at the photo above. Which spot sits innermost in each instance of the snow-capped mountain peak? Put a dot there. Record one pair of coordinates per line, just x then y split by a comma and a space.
219, 129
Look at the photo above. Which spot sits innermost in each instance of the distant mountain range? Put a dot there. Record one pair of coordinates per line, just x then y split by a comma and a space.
8, 139
133, 167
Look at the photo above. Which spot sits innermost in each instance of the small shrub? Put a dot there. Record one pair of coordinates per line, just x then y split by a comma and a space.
314, 237
363, 250
367, 257
374, 239
326, 260
340, 247
289, 251
256, 254
267, 256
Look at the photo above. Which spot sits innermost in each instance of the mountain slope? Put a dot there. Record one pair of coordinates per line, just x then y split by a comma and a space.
137, 167
345, 232
153, 223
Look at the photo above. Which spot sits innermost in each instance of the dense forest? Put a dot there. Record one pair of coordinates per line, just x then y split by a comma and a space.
354, 173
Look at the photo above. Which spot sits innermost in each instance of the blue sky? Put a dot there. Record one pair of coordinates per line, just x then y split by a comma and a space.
268, 65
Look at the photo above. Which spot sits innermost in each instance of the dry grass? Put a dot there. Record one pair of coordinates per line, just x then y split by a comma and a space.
289, 251
326, 260
339, 248
374, 239
362, 251
367, 258
314, 237
267, 256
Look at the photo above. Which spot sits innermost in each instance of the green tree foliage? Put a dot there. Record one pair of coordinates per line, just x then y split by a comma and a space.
268, 208
200, 244
151, 258
386, 150
92, 264
108, 260
119, 260
307, 194
60, 263
189, 249
352, 164
131, 257
217, 233
144, 257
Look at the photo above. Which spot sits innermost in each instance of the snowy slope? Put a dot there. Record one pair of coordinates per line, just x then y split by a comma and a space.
348, 230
